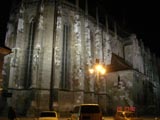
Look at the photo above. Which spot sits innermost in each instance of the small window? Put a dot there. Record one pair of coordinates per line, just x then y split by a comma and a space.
90, 109
48, 114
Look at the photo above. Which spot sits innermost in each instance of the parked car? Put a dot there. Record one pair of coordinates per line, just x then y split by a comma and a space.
86, 112
126, 115
48, 115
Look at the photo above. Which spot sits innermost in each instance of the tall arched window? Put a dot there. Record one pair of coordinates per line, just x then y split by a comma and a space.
65, 57
29, 57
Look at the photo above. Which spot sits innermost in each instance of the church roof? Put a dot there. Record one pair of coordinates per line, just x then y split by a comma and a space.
118, 63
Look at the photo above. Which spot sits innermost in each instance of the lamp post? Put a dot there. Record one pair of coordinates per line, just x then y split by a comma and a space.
97, 69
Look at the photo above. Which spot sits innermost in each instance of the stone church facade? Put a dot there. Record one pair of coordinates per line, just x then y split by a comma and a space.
53, 46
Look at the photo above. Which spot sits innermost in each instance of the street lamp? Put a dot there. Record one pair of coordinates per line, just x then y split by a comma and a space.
97, 69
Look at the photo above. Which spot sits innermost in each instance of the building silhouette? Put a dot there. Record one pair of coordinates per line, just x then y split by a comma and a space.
54, 43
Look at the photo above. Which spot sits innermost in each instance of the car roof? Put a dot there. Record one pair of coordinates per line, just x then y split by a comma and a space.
48, 112
86, 105
90, 104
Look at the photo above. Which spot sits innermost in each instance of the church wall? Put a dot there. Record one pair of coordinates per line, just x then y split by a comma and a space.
65, 44
117, 46
119, 86
129, 54
47, 46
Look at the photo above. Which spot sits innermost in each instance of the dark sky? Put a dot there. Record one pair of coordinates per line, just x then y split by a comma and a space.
136, 16
141, 18
4, 13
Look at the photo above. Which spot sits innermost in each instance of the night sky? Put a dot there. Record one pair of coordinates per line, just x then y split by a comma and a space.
134, 16
4, 15
139, 17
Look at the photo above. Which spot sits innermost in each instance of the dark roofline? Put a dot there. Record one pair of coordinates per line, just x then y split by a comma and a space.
118, 63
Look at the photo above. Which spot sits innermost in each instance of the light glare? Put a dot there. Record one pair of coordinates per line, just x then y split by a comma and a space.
91, 71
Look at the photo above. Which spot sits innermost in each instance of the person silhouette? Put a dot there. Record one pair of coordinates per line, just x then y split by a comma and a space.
11, 113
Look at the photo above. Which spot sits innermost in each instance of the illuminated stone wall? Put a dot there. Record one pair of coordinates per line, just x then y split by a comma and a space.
58, 44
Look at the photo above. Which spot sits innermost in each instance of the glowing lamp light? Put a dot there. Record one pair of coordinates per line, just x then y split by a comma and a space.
91, 70
99, 68
103, 71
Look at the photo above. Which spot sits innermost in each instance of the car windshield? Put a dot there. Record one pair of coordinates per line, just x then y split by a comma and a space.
90, 109
48, 114
130, 115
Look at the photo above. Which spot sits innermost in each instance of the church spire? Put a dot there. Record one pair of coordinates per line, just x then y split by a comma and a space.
115, 29
106, 23
77, 5
97, 17
86, 8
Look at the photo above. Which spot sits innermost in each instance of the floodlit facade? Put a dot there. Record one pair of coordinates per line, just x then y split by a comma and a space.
53, 46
